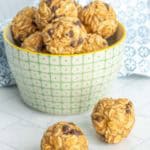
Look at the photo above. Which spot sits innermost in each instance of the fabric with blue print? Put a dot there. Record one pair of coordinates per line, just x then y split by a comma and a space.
6, 77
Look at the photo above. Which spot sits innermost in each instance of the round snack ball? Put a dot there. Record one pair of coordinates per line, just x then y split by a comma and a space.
100, 18
64, 136
34, 42
23, 24
52, 9
94, 42
43, 15
113, 119
64, 35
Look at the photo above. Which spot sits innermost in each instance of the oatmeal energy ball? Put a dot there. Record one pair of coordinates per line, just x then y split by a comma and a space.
113, 119
34, 42
23, 25
43, 15
64, 35
94, 42
64, 136
51, 9
98, 17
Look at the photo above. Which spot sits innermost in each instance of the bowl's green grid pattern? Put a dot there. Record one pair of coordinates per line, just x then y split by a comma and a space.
62, 84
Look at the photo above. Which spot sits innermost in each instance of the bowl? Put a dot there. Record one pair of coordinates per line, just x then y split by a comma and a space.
64, 84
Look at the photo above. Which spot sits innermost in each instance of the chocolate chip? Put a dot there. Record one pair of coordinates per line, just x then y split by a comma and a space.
18, 42
80, 41
66, 129
128, 111
73, 44
107, 6
39, 47
86, 7
54, 8
48, 1
75, 132
128, 107
71, 33
78, 23
50, 32
98, 118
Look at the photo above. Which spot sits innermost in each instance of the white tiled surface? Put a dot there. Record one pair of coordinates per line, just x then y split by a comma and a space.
21, 128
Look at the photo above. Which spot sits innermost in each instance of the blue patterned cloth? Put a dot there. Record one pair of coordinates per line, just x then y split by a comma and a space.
6, 77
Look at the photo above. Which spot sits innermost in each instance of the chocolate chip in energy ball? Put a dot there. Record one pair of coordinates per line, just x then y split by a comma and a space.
78, 23
75, 132
40, 47
50, 32
99, 118
128, 108
71, 33
48, 1
66, 129
73, 44
54, 8
80, 41
18, 42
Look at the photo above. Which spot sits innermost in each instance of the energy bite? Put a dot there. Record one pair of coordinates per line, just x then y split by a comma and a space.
34, 42
23, 24
52, 9
98, 17
64, 136
113, 119
94, 42
43, 15
64, 35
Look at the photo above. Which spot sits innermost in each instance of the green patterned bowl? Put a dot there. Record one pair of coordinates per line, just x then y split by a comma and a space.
64, 84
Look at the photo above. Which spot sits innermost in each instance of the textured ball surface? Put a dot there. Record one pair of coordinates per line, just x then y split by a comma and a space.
94, 42
64, 35
113, 119
23, 24
100, 18
64, 136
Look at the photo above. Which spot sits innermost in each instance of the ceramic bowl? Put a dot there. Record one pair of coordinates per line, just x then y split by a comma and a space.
64, 84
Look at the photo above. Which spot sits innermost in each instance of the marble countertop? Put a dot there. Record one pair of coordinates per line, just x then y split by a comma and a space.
21, 128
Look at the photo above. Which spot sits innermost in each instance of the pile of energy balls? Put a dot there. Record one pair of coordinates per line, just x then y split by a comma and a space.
64, 27
113, 119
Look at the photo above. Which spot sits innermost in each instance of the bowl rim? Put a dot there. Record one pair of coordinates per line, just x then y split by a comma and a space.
122, 39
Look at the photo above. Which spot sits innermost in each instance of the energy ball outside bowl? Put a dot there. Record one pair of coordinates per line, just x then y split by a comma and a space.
113, 119
64, 136
64, 35
100, 18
